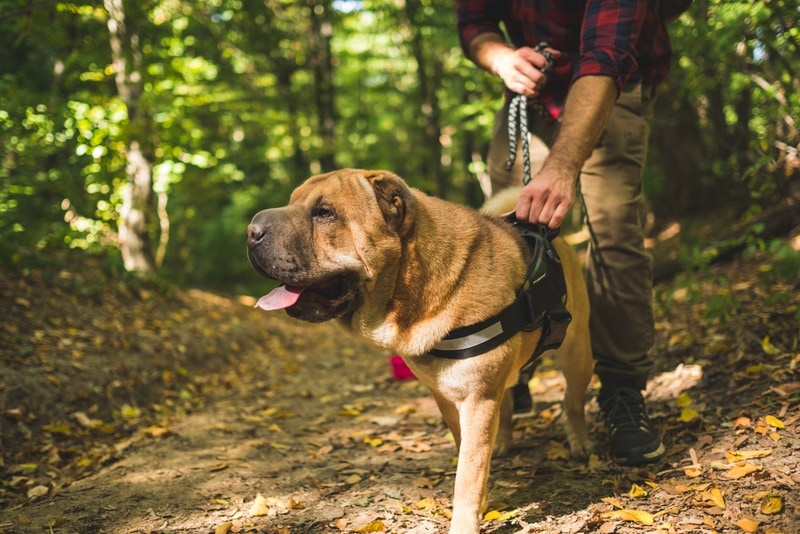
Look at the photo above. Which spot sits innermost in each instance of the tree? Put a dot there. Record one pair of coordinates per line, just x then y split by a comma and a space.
137, 194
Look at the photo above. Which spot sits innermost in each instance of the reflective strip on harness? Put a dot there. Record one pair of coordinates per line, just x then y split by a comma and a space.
471, 340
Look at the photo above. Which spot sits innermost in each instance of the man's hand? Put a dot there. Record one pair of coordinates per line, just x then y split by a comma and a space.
547, 198
550, 194
518, 68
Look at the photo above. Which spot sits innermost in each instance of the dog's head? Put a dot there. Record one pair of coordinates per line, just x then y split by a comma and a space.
327, 247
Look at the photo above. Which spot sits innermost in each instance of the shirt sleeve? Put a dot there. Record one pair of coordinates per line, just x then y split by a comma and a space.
610, 31
476, 17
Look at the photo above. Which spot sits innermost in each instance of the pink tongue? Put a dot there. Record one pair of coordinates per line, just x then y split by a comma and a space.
279, 298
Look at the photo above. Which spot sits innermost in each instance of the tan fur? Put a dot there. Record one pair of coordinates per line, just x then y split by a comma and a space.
424, 267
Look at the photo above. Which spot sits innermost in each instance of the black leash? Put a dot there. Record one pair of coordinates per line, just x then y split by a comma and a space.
518, 114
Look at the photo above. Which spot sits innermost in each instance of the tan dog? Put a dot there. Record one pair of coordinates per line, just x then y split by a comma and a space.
403, 269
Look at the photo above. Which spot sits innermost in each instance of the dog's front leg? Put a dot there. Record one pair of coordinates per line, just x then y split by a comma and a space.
478, 419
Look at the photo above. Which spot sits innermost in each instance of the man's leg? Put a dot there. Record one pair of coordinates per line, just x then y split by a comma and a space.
619, 278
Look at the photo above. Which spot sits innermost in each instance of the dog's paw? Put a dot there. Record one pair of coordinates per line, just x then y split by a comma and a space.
501, 449
580, 449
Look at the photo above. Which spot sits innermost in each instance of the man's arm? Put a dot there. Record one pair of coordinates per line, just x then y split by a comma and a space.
550, 194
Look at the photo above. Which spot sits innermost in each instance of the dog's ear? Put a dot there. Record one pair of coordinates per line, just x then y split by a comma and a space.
395, 200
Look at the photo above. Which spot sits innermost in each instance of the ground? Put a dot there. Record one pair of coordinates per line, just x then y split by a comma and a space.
132, 407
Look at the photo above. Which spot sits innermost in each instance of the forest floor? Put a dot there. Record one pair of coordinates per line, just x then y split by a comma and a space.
128, 407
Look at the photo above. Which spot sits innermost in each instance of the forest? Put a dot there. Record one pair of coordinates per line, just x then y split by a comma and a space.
153, 130
140, 391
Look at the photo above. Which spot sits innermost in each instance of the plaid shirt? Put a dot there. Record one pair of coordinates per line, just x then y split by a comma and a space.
623, 39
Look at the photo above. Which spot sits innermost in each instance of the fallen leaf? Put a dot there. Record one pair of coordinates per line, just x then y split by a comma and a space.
713, 496
352, 479
85, 421
693, 471
57, 522
744, 422
772, 503
768, 347
613, 501
741, 470
223, 528
683, 400
738, 456
492, 516
59, 428
756, 369
425, 504
260, 507
637, 492
747, 524
374, 526
774, 422
373, 442
688, 415
155, 431
639, 516
38, 491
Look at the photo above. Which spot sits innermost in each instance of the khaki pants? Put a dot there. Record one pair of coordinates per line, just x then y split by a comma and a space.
619, 271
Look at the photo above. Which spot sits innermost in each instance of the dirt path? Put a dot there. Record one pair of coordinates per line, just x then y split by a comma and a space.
139, 412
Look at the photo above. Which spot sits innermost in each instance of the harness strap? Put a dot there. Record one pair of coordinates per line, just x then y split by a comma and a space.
539, 303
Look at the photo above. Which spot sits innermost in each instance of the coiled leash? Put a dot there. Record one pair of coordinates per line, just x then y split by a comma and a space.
518, 113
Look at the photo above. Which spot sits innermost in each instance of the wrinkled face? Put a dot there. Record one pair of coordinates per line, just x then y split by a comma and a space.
339, 230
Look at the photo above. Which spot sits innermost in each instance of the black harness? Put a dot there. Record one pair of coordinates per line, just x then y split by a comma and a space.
539, 303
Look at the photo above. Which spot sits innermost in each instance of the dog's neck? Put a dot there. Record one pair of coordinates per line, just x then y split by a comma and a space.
419, 311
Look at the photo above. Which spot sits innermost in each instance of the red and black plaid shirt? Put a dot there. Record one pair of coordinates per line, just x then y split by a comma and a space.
624, 39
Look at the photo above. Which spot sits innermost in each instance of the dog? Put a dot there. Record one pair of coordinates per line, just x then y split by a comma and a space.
403, 269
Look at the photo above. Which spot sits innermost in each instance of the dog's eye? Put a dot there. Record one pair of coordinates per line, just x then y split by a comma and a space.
324, 213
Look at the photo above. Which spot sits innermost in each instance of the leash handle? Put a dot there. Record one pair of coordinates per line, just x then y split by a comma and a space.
518, 113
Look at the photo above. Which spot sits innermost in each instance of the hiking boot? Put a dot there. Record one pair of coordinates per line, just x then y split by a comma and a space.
633, 438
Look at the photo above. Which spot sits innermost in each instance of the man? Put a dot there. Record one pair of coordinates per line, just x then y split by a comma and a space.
588, 122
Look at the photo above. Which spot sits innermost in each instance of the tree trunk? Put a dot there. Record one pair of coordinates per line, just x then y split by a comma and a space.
431, 112
321, 62
136, 215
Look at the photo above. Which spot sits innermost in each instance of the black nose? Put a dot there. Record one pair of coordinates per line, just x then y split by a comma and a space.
255, 233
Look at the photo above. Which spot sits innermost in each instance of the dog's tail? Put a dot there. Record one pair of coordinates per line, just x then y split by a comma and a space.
502, 202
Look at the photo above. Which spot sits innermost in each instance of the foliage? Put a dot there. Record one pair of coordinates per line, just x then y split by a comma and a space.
237, 109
